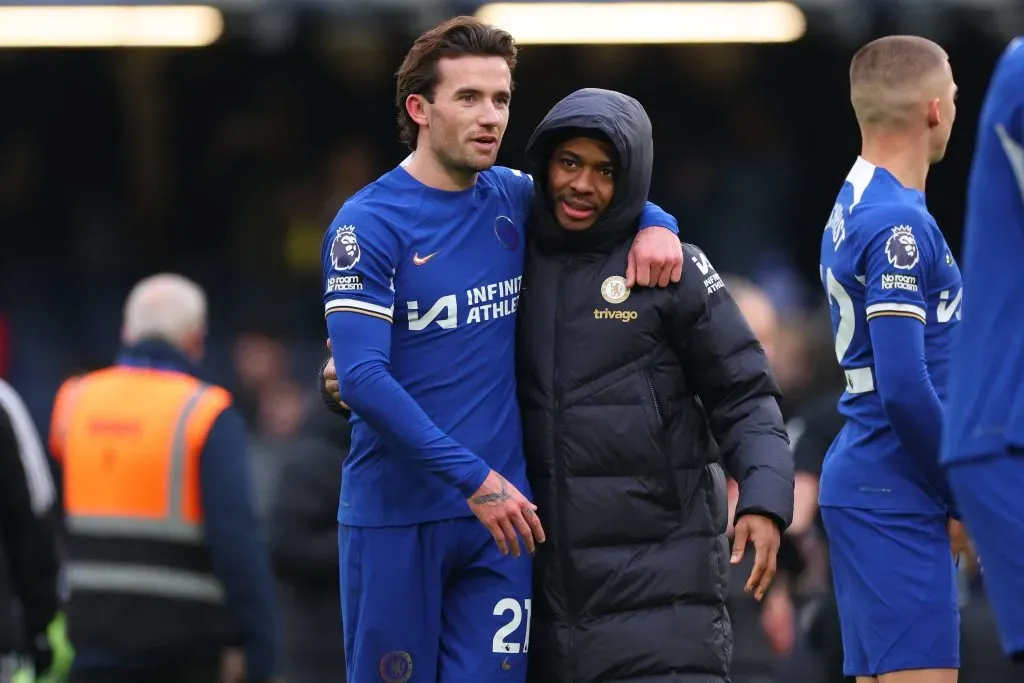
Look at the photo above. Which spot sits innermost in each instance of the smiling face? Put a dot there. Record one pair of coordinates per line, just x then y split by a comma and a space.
581, 181
466, 120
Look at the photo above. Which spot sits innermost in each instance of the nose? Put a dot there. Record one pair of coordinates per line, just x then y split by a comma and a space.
489, 117
582, 182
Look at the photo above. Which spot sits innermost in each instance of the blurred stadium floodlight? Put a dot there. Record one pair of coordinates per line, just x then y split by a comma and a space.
82, 26
606, 23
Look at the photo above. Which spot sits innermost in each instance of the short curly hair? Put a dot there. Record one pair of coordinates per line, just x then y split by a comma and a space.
456, 37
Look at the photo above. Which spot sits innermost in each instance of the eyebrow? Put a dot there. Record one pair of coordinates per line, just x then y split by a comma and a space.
477, 91
576, 157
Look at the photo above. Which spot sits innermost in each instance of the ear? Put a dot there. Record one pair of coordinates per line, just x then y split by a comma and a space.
934, 113
416, 106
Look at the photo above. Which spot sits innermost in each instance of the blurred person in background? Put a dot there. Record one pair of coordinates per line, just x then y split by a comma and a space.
985, 430
896, 291
812, 428
167, 569
421, 275
29, 559
281, 408
621, 417
260, 361
764, 630
303, 534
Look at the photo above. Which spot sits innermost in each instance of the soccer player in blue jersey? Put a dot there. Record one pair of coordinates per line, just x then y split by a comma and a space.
422, 272
895, 292
984, 437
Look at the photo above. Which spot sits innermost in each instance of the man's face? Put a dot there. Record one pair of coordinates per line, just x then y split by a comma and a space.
581, 181
467, 119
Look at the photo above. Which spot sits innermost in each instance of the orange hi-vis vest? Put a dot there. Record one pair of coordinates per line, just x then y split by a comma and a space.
129, 440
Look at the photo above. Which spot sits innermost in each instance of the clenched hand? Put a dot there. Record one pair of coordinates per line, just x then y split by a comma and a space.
331, 380
504, 510
766, 537
959, 543
655, 259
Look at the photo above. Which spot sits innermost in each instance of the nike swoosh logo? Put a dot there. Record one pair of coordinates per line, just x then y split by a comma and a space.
418, 261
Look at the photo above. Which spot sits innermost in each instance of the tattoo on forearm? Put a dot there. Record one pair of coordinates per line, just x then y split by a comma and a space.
493, 498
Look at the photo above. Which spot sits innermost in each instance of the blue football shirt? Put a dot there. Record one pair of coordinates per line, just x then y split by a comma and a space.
882, 254
985, 413
444, 269
421, 288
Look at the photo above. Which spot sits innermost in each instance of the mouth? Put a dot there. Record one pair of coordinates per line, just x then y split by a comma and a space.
486, 142
577, 210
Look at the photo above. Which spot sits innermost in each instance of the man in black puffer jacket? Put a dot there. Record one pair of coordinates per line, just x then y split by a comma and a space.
629, 401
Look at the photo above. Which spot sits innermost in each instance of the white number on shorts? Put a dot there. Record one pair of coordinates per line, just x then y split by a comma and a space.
511, 605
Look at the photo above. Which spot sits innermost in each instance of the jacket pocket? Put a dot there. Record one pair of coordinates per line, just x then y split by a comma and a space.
672, 486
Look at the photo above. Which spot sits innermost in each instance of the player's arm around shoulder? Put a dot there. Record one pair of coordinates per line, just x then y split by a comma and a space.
727, 367
656, 257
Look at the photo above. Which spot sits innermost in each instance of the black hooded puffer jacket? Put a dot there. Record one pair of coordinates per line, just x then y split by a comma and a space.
629, 401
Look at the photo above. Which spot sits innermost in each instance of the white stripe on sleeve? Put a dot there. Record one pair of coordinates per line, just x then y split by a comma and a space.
42, 493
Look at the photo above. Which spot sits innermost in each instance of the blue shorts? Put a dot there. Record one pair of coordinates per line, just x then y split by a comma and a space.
988, 494
433, 603
895, 584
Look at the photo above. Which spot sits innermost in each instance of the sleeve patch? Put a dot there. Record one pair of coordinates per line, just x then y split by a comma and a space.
344, 283
907, 283
345, 250
901, 248
712, 281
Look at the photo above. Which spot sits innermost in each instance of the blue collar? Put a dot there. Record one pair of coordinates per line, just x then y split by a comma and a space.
156, 354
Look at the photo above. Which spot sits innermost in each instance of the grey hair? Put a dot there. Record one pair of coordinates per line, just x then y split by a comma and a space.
165, 306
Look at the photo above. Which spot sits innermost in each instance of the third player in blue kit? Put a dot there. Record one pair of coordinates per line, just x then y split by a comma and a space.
895, 295
984, 439
422, 273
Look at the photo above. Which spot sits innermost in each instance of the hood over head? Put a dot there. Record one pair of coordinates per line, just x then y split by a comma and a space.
603, 114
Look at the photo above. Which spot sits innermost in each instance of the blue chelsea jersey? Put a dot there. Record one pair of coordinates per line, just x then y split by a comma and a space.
882, 254
985, 413
445, 268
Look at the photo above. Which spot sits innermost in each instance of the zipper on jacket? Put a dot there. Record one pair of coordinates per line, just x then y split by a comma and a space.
560, 483
654, 397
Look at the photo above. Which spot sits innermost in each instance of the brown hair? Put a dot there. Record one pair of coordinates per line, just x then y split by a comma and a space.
457, 37
888, 74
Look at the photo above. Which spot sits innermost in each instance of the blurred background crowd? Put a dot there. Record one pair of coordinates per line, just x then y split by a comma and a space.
226, 163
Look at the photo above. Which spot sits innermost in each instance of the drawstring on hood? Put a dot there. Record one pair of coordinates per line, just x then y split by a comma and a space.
602, 114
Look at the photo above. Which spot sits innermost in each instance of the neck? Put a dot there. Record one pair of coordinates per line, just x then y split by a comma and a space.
428, 169
904, 156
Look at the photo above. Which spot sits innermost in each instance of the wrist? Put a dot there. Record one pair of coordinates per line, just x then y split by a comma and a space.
474, 478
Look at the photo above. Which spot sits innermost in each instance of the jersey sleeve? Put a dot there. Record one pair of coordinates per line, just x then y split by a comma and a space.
1006, 93
896, 263
359, 256
519, 185
728, 369
654, 216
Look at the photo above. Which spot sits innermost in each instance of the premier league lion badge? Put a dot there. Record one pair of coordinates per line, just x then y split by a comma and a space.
345, 248
901, 248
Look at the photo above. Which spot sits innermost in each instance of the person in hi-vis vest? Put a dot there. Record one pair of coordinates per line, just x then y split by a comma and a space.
169, 575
